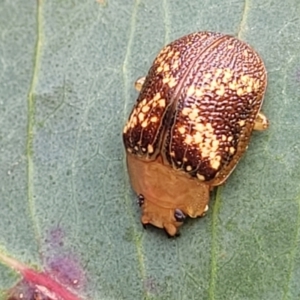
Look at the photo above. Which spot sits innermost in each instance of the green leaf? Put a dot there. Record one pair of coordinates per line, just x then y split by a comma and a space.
67, 70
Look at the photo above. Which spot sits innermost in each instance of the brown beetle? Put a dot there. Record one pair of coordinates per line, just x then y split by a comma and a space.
191, 124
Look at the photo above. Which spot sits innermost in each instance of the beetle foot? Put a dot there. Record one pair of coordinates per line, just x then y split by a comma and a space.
205, 211
140, 200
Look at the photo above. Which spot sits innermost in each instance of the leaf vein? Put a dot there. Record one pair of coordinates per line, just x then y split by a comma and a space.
167, 21
31, 120
73, 160
243, 21
292, 254
213, 272
137, 238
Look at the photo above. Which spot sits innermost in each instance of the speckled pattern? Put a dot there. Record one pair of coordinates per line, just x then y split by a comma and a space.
198, 105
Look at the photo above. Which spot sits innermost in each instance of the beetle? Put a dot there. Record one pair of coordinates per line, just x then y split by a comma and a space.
191, 124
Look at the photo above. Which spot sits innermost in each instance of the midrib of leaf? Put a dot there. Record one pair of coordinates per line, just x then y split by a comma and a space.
216, 208
167, 21
242, 24
213, 272
31, 119
136, 237
292, 254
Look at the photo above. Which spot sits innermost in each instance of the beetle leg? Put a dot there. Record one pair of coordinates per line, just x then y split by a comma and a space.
140, 200
261, 122
139, 83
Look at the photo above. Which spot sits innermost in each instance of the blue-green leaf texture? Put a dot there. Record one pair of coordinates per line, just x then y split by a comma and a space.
67, 70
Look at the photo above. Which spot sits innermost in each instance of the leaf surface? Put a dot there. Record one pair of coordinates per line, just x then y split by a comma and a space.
67, 70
